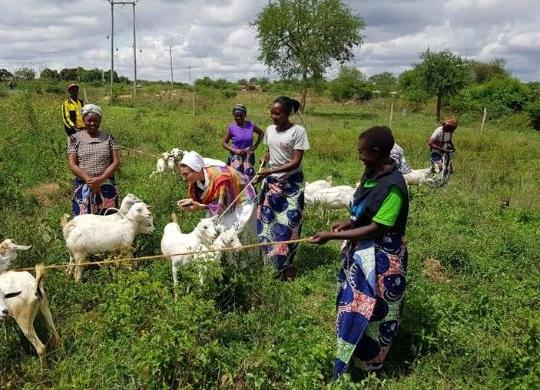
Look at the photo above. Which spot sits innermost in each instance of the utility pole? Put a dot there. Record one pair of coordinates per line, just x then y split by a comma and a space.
134, 55
112, 48
133, 3
172, 80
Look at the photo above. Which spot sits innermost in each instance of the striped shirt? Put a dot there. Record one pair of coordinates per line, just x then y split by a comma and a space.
94, 155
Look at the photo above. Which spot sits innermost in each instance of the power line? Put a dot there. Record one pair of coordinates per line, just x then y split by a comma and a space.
132, 3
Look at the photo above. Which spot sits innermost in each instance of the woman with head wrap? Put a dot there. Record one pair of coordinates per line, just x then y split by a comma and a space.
240, 134
213, 186
93, 159
281, 201
441, 143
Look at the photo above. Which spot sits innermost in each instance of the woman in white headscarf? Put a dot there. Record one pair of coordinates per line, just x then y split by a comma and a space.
213, 186
93, 159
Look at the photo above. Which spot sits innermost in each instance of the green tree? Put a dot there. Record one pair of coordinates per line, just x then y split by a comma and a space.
25, 73
68, 74
411, 88
385, 82
483, 72
5, 74
303, 37
501, 96
49, 74
350, 84
442, 74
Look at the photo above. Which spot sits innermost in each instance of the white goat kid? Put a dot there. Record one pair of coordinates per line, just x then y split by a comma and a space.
227, 239
417, 176
8, 253
330, 198
100, 235
4, 308
175, 242
23, 298
161, 164
319, 184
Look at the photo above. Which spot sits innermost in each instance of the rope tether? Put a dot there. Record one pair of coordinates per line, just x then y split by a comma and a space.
157, 257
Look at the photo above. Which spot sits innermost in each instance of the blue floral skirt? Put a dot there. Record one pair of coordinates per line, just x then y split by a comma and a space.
85, 202
279, 218
245, 165
369, 301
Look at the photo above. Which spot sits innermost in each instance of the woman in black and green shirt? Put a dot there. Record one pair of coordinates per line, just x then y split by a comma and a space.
374, 256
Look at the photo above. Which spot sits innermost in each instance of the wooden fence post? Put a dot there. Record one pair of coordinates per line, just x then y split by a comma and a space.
483, 120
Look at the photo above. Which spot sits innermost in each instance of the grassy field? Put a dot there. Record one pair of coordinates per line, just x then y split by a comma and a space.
471, 316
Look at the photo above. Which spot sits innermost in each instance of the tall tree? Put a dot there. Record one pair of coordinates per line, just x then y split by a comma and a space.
385, 82
49, 74
442, 74
302, 37
483, 72
25, 73
5, 74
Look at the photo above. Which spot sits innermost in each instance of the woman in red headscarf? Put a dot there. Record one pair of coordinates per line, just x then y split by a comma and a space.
440, 142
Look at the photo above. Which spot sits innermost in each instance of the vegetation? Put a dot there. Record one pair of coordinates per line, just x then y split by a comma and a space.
441, 75
470, 318
350, 84
303, 37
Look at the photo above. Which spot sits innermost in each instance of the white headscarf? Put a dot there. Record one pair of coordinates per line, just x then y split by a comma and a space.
196, 162
88, 108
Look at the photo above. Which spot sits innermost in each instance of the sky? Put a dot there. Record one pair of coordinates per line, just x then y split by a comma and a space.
213, 37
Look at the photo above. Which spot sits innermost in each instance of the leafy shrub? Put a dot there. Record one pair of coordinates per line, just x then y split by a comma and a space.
533, 109
501, 96
229, 93
350, 84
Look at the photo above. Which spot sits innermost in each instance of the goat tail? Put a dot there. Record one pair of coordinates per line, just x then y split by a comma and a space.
40, 273
64, 220
174, 218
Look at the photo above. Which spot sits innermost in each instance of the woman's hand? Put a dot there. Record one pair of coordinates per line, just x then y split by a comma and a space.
261, 175
320, 238
240, 152
339, 226
190, 205
95, 184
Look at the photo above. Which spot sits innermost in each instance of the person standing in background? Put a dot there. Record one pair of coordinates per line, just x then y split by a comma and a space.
71, 111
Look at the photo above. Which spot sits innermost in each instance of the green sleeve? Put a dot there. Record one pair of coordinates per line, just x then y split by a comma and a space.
389, 210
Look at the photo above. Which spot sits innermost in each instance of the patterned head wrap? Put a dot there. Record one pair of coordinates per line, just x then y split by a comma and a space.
450, 124
91, 108
239, 108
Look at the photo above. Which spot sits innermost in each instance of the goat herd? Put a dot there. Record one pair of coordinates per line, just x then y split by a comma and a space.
22, 295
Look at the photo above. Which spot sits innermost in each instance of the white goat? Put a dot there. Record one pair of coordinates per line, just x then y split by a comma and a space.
319, 184
128, 201
177, 154
417, 176
4, 309
161, 164
330, 198
226, 239
23, 298
174, 242
99, 235
8, 253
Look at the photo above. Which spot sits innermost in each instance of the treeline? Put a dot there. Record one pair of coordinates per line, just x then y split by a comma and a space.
457, 84
67, 74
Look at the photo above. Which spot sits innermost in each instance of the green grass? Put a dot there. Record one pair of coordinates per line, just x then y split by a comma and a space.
472, 322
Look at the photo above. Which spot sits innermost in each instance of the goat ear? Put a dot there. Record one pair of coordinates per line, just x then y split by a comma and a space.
11, 295
22, 247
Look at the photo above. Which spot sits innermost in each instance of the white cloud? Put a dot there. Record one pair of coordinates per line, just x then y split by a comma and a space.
214, 37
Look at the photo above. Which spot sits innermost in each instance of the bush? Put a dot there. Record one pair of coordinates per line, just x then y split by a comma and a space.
350, 84
501, 96
533, 109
